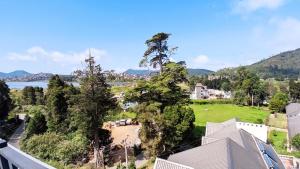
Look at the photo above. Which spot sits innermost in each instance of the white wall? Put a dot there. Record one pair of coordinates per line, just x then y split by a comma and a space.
258, 130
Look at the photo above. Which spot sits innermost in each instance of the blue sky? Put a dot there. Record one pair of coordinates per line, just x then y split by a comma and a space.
54, 35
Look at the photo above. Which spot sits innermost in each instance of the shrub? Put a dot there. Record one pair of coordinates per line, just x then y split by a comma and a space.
296, 141
36, 125
52, 146
278, 102
42, 146
216, 101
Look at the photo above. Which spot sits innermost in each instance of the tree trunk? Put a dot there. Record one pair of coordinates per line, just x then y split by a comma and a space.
252, 100
99, 162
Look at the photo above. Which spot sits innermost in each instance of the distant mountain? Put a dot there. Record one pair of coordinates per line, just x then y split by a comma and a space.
192, 72
23, 76
14, 74
138, 72
282, 65
286, 64
197, 72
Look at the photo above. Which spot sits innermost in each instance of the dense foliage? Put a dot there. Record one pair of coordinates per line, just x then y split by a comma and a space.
166, 121
219, 83
296, 141
5, 100
52, 146
32, 95
249, 90
294, 88
95, 100
278, 102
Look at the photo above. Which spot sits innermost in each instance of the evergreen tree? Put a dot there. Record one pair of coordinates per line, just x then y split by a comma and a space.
57, 105
5, 100
39, 96
95, 101
158, 52
28, 95
166, 121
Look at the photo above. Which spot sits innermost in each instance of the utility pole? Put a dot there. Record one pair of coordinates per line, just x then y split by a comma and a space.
125, 146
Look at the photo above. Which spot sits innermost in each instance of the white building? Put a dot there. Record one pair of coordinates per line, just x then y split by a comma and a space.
202, 92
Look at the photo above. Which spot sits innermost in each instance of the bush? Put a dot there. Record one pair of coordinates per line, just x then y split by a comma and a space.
216, 101
278, 102
296, 141
36, 125
51, 146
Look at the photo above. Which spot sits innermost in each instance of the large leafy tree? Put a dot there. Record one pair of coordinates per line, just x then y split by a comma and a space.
249, 89
158, 52
5, 100
278, 102
166, 121
95, 101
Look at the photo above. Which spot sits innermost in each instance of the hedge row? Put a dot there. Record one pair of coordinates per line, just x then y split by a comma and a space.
215, 101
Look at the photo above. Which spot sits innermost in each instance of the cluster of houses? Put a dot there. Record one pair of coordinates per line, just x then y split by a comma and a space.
202, 92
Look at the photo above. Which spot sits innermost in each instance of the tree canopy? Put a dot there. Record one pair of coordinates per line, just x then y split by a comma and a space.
5, 100
158, 52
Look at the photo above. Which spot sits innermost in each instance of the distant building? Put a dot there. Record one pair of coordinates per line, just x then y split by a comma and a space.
202, 92
13, 158
225, 146
293, 119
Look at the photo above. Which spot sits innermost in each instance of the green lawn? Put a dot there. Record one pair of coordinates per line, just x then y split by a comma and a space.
223, 112
278, 140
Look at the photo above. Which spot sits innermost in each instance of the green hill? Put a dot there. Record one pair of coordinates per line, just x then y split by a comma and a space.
191, 72
283, 65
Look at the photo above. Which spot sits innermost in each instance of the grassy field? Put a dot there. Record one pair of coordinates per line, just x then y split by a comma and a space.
279, 121
223, 112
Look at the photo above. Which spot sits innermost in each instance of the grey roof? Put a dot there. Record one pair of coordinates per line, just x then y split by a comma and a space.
226, 147
221, 154
293, 119
165, 164
292, 108
293, 125
21, 159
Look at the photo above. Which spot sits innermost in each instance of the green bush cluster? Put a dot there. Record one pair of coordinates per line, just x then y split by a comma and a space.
56, 147
296, 141
215, 101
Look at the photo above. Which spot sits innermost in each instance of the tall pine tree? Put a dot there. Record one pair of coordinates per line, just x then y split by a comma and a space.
95, 101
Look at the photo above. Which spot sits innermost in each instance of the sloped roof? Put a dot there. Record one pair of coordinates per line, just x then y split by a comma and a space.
293, 118
292, 108
293, 125
165, 164
221, 154
226, 147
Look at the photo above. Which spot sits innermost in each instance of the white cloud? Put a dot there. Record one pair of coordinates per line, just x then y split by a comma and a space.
38, 53
246, 6
201, 59
277, 35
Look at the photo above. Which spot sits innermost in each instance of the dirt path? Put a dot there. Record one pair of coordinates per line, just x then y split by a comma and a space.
14, 140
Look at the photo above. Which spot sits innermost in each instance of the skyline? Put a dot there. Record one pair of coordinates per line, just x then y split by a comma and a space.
55, 36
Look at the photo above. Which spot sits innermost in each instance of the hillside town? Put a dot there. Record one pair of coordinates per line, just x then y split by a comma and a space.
150, 84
